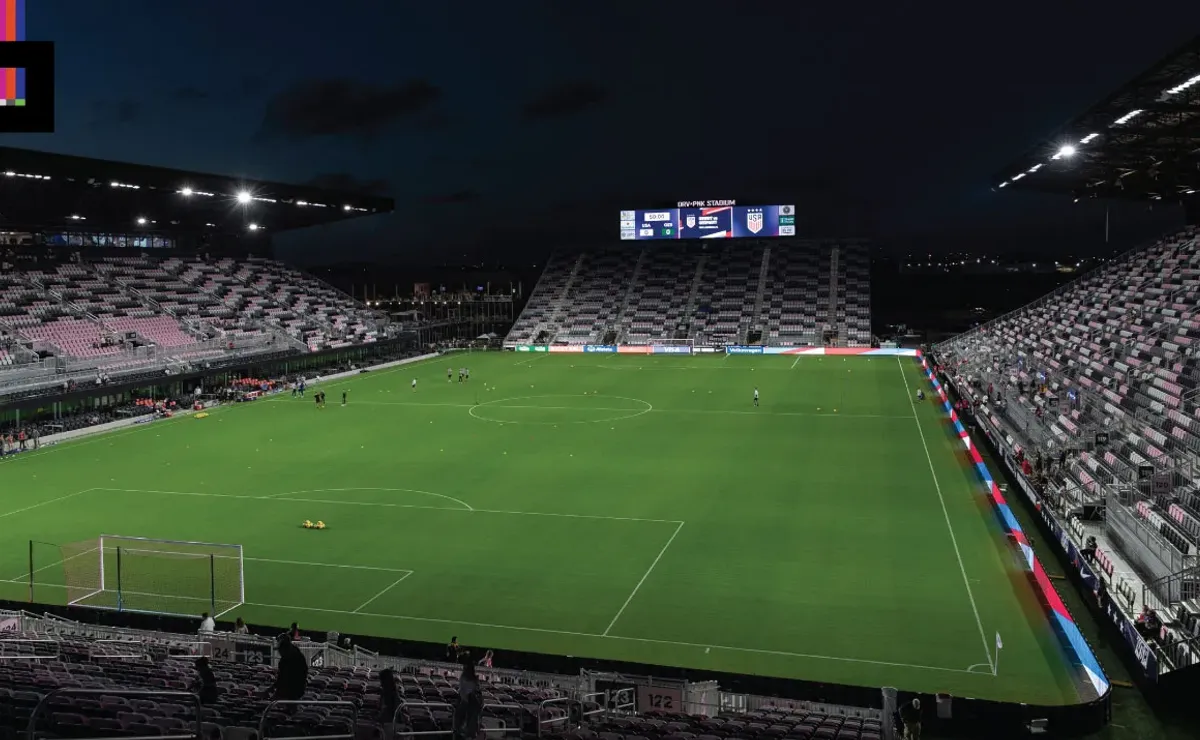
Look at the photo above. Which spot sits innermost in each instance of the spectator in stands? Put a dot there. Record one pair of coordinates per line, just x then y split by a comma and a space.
294, 633
292, 677
1089, 549
240, 628
207, 624
206, 682
486, 660
910, 717
454, 651
389, 696
469, 710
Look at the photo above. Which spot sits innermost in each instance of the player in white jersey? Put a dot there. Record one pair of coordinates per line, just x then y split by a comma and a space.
414, 386
756, 397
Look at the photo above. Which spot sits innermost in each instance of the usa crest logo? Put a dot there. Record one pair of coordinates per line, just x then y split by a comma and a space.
691, 222
754, 221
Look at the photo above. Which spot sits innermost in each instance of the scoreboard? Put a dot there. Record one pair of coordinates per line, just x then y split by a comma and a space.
727, 220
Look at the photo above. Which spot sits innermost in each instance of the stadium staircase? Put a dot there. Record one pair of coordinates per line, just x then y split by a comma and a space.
764, 272
1099, 381
64, 679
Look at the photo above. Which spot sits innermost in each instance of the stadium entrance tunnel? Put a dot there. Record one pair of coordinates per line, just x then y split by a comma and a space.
553, 409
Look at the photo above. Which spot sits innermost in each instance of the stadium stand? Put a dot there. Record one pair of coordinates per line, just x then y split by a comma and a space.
78, 679
119, 314
781, 292
1094, 390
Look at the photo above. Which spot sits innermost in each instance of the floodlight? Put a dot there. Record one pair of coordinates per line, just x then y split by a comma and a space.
141, 220
252, 227
1067, 151
346, 207
243, 196
185, 191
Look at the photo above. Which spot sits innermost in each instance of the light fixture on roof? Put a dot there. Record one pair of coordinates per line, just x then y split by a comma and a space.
186, 191
1180, 88
346, 207
76, 217
252, 227
1088, 138
141, 221
1066, 151
243, 197
10, 173
1128, 117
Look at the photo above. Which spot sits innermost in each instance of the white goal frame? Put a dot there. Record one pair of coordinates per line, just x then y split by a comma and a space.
149, 545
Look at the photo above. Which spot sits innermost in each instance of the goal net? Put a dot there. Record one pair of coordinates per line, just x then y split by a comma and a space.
140, 574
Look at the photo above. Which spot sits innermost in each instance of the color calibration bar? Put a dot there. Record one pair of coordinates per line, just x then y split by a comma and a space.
12, 28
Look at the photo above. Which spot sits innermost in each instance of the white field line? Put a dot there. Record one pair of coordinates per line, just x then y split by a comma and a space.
367, 603
569, 633
47, 503
25, 576
795, 361
515, 628
645, 575
460, 502
494, 404
953, 539
392, 506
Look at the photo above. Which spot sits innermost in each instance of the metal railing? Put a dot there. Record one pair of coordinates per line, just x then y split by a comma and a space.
544, 721
32, 644
349, 735
184, 696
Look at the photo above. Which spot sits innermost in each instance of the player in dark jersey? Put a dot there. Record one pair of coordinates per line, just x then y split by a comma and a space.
756, 397
343, 398
317, 399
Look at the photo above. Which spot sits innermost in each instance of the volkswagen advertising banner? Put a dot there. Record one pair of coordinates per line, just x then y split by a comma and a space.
740, 350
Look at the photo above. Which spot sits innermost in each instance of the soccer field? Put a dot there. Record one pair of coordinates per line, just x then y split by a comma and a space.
625, 507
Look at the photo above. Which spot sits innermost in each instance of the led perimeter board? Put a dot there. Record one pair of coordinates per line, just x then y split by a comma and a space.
708, 220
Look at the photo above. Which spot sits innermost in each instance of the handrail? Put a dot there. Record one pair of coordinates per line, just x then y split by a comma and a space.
553, 720
30, 641
262, 723
405, 705
192, 698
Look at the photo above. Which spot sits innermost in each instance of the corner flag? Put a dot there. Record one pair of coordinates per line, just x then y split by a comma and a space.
999, 643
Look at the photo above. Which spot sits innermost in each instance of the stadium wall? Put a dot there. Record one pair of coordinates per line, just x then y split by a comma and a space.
1060, 619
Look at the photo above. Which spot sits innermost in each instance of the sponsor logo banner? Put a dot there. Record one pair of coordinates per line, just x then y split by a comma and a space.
532, 348
740, 350
634, 349
557, 349
609, 348
660, 349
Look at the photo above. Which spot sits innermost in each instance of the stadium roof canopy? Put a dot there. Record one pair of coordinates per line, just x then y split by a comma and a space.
41, 189
1142, 142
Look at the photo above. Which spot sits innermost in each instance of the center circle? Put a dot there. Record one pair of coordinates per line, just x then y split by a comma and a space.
588, 408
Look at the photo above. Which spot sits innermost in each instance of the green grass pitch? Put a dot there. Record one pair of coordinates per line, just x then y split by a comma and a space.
625, 507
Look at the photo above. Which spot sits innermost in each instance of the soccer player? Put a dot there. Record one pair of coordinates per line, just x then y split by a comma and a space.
467, 372
756, 398
449, 374
343, 398
317, 399
414, 385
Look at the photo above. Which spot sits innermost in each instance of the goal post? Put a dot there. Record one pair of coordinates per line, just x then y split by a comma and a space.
154, 576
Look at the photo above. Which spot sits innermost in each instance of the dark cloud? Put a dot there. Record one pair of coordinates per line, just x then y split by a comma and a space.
342, 107
105, 113
190, 94
454, 198
567, 99
345, 182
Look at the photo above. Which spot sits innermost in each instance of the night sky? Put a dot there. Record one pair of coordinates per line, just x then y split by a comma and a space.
507, 128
